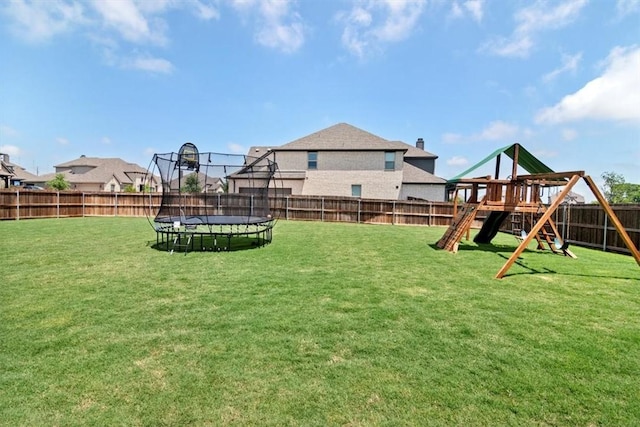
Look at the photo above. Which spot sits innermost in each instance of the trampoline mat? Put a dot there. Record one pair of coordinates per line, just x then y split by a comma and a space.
214, 219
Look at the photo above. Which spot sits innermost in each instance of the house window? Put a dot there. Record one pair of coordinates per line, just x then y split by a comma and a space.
113, 188
312, 160
356, 190
389, 160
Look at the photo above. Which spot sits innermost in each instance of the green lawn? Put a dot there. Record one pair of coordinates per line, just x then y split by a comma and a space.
331, 324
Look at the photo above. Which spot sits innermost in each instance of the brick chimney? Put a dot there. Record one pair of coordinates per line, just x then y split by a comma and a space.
420, 143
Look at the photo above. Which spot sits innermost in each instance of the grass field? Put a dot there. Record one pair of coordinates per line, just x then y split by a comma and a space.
331, 324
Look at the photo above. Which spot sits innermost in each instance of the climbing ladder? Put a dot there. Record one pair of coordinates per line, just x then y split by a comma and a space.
458, 227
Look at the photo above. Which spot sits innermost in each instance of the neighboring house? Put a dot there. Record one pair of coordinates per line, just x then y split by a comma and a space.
103, 174
343, 160
12, 175
208, 184
570, 199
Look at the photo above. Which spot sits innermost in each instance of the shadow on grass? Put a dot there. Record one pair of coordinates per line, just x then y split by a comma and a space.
210, 244
482, 247
560, 273
500, 250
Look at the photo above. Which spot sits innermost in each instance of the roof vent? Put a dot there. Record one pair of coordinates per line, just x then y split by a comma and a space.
420, 143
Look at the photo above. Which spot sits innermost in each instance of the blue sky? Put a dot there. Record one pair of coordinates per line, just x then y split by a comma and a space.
125, 78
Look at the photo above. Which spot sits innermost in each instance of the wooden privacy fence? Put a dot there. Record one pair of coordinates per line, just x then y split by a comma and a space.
584, 225
589, 225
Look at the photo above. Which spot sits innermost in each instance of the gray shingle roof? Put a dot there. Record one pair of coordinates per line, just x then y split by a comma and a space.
342, 136
18, 172
415, 152
414, 175
102, 170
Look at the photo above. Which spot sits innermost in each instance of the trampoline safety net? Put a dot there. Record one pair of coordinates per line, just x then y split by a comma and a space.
210, 200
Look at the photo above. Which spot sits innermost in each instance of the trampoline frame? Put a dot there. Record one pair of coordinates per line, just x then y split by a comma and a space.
213, 226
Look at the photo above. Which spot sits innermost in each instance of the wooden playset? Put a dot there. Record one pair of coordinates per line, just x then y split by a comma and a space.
518, 197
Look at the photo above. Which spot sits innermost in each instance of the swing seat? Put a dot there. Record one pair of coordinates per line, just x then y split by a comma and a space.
521, 236
561, 246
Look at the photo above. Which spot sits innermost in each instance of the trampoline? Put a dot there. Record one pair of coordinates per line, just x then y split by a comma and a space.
212, 201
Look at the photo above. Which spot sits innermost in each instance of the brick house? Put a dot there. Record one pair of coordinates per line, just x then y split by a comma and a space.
343, 160
102, 174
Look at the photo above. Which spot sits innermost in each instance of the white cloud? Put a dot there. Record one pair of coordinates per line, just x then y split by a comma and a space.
62, 141
475, 7
532, 20
128, 21
457, 161
108, 23
612, 96
203, 11
627, 7
545, 154
236, 148
11, 150
278, 26
38, 21
148, 63
569, 65
371, 24
451, 138
456, 10
569, 134
106, 140
8, 131
498, 130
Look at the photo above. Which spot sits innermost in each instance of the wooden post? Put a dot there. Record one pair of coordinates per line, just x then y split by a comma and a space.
514, 169
534, 231
497, 175
614, 219
604, 236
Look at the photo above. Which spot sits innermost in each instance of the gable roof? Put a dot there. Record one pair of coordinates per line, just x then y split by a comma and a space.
341, 136
6, 169
19, 173
102, 170
526, 160
23, 175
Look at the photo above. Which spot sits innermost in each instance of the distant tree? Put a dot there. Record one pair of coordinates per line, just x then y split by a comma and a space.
129, 188
59, 183
630, 192
616, 190
191, 184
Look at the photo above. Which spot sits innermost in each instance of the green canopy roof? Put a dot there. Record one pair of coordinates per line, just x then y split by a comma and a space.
525, 159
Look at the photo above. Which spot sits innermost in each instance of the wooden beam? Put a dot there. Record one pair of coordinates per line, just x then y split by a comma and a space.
552, 175
539, 224
612, 216
482, 180
514, 169
497, 175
